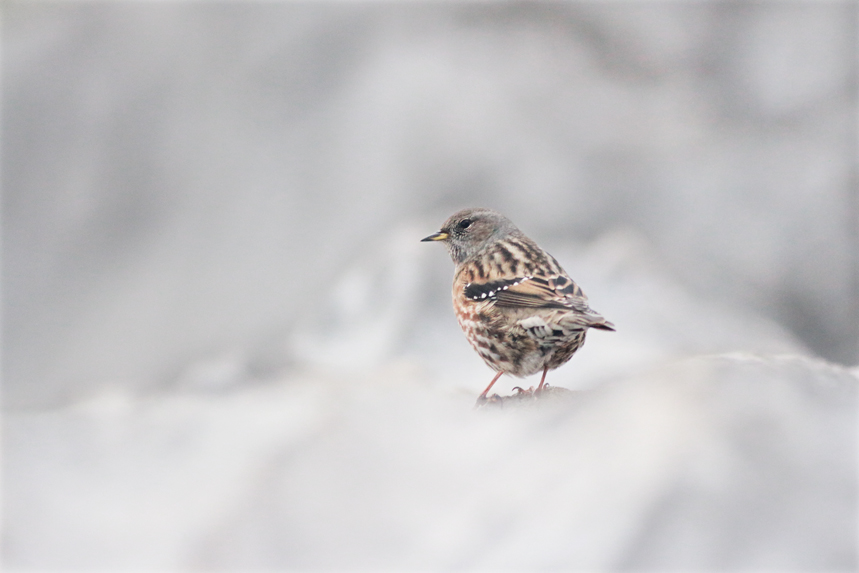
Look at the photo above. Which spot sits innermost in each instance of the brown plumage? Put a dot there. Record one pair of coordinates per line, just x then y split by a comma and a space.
516, 305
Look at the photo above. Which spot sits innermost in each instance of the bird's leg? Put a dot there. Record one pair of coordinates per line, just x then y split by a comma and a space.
542, 380
485, 392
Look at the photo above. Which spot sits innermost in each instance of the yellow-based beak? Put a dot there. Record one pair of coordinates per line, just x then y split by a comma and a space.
440, 236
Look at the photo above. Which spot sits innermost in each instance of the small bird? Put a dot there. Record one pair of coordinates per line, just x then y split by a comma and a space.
516, 305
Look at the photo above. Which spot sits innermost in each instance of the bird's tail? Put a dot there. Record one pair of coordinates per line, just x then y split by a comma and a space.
599, 321
583, 319
604, 325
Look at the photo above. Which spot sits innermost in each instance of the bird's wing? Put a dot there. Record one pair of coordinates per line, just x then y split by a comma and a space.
530, 292
489, 290
539, 292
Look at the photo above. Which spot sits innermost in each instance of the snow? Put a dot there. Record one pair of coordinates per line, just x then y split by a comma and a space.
727, 461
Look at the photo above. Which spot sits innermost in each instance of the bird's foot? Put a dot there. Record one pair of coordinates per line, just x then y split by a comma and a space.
533, 392
484, 400
541, 389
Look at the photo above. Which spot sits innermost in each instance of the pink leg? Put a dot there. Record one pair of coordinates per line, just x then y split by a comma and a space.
543, 379
485, 392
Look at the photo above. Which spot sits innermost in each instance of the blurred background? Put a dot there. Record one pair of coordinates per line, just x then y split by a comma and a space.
224, 346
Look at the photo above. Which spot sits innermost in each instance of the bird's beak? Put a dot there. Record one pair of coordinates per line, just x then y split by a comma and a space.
440, 236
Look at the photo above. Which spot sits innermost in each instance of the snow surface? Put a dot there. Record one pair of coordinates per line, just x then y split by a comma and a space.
720, 462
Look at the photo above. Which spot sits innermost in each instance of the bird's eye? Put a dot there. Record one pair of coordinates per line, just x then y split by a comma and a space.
464, 224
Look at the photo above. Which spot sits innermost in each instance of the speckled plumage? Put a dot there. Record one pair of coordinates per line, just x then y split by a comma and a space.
516, 305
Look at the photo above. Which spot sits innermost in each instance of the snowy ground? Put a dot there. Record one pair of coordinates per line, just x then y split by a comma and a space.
724, 462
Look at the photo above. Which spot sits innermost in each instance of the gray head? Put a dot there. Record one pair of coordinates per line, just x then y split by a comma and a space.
466, 232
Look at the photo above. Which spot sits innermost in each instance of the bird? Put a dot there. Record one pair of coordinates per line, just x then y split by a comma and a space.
518, 308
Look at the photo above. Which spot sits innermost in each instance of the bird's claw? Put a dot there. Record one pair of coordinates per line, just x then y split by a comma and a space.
483, 399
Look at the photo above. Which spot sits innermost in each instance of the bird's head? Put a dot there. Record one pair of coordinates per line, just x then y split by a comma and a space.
467, 232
